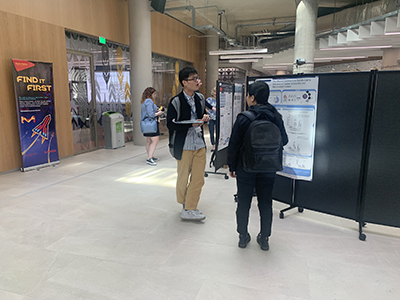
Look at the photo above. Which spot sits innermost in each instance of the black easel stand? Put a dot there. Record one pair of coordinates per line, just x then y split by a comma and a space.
361, 235
225, 174
292, 204
215, 172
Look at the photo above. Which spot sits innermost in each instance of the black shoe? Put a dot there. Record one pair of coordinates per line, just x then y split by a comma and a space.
263, 242
244, 239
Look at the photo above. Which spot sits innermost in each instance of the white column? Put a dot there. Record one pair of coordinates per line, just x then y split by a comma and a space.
140, 56
306, 24
391, 59
211, 61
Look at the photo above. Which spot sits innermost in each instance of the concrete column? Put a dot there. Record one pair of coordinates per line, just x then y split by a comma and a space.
140, 56
391, 59
211, 61
306, 24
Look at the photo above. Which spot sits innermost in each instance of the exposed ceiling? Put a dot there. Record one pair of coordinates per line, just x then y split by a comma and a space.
271, 24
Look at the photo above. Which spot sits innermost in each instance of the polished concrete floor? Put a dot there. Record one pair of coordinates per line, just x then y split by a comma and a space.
105, 226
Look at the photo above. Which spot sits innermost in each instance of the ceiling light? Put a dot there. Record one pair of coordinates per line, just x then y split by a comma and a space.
243, 51
245, 56
392, 33
243, 60
338, 58
357, 48
276, 67
279, 64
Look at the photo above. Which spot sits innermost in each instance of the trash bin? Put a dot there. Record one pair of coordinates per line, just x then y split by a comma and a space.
114, 135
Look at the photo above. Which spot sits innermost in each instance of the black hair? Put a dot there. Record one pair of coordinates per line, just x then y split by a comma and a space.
260, 91
185, 73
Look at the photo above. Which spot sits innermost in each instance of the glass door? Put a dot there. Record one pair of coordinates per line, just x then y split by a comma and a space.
83, 106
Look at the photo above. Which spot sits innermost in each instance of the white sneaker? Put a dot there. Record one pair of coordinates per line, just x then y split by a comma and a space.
197, 210
192, 215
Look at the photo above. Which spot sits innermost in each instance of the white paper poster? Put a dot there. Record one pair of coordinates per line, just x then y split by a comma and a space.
237, 102
225, 96
296, 101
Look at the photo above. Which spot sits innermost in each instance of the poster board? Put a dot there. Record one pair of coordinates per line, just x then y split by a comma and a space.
382, 192
238, 97
225, 96
296, 98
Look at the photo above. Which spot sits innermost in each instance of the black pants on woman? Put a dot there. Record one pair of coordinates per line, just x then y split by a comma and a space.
263, 184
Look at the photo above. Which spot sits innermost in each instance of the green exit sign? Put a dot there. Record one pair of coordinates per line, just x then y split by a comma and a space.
102, 40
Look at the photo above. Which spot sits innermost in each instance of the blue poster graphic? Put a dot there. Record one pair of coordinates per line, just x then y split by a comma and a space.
34, 94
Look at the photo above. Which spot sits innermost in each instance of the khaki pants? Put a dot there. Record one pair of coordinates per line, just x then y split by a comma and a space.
190, 179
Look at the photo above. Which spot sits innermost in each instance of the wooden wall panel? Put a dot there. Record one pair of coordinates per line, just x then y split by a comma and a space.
32, 40
171, 38
108, 18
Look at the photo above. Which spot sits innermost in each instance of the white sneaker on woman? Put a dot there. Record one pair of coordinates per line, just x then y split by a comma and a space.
151, 162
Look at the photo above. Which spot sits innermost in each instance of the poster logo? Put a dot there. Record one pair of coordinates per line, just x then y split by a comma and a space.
21, 65
23, 120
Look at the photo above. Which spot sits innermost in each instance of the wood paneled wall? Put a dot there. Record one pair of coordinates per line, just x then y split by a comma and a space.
107, 18
35, 30
24, 38
171, 38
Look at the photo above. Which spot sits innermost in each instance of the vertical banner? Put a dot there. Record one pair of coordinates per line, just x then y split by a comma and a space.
296, 101
34, 93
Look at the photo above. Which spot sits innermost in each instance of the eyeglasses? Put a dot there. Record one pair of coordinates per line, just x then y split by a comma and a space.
194, 78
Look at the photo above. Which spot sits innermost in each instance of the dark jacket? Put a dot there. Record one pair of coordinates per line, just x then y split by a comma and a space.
240, 128
179, 109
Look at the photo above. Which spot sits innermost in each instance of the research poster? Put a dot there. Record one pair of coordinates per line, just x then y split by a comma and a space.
225, 97
34, 93
238, 101
296, 100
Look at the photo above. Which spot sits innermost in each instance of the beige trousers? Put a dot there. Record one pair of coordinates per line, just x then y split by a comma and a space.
190, 178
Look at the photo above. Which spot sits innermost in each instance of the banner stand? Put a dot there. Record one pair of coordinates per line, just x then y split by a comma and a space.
34, 95
38, 167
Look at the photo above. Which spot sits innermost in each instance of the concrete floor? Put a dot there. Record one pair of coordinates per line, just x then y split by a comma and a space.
105, 226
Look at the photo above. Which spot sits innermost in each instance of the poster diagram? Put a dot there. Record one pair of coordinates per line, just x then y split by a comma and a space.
296, 100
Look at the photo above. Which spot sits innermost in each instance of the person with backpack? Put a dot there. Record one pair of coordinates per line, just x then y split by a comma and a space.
254, 157
185, 119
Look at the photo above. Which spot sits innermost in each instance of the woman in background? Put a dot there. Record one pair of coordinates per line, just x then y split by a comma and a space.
211, 105
150, 110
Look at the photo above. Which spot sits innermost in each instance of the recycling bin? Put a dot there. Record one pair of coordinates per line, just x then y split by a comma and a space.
113, 124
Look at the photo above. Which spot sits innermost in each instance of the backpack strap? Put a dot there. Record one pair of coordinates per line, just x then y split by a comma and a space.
249, 115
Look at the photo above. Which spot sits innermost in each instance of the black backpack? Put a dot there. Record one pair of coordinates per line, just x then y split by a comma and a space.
262, 146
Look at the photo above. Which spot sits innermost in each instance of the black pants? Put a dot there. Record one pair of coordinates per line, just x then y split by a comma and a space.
263, 184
